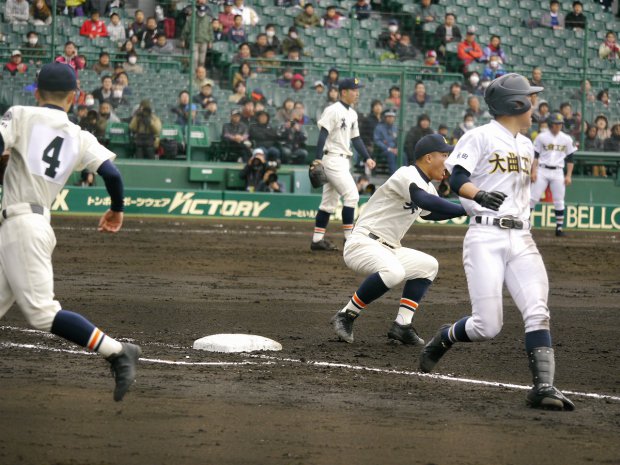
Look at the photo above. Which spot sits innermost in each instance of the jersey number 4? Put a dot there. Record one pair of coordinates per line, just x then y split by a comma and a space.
51, 156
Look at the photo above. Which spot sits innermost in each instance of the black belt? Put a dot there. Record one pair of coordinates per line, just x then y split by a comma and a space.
38, 209
551, 167
504, 223
381, 241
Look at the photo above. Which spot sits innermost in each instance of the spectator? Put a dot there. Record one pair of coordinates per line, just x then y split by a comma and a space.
69, 57
385, 139
16, 12
569, 119
103, 64
602, 128
292, 41
236, 34
297, 83
332, 19
584, 88
425, 12
258, 48
469, 51
468, 124
421, 129
146, 128
184, 111
612, 144
205, 95
493, 69
536, 79
543, 126
211, 109
285, 79
16, 65
116, 31
494, 49
118, 96
240, 93
474, 108
593, 143
104, 116
89, 122
203, 34
542, 112
247, 111
299, 114
200, 77
332, 78
361, 9
553, 18
405, 49
270, 182
162, 46
227, 17
137, 27
603, 97
447, 33
393, 99
125, 49
250, 18
243, 74
443, 130
368, 123
149, 36
431, 64
285, 112
454, 97
254, 170
93, 27
40, 14
319, 88
390, 38
307, 18
131, 65
472, 84
268, 62
272, 38
33, 49
576, 19
243, 53
218, 30
106, 113
292, 59
293, 140
104, 93
419, 97
264, 136
235, 136
609, 49
76, 7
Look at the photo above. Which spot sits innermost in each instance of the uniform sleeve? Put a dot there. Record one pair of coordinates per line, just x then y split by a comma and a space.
538, 144
326, 121
466, 153
8, 127
92, 153
355, 129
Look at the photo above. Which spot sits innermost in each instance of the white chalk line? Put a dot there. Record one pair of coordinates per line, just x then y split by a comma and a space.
272, 360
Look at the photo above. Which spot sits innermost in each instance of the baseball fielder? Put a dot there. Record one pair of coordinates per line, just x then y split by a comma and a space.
553, 149
339, 129
374, 247
45, 147
490, 170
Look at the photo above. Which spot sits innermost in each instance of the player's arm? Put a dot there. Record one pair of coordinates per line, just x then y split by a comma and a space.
534, 170
460, 183
112, 220
439, 208
570, 164
359, 146
320, 144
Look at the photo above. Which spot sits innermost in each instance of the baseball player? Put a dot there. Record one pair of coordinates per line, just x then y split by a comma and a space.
45, 147
490, 170
552, 150
339, 128
374, 247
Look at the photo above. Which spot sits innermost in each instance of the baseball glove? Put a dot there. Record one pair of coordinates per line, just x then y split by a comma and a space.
4, 160
317, 175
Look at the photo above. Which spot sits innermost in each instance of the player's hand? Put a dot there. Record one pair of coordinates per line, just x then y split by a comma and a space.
370, 163
568, 180
534, 176
111, 222
491, 200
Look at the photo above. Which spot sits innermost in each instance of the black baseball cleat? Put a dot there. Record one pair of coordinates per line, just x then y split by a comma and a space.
343, 325
548, 398
323, 244
405, 334
433, 351
559, 233
123, 367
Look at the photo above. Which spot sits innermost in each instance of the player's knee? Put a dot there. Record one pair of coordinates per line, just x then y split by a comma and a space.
537, 321
351, 199
431, 267
40, 319
484, 329
393, 276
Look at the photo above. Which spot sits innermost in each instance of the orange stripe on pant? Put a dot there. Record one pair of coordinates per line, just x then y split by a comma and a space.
94, 339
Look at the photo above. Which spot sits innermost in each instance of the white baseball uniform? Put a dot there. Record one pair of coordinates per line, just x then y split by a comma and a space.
494, 256
340, 121
388, 216
45, 148
552, 151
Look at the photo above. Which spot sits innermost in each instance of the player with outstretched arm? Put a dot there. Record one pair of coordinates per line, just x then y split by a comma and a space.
45, 148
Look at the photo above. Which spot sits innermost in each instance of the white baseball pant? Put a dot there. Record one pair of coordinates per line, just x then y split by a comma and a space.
555, 180
340, 183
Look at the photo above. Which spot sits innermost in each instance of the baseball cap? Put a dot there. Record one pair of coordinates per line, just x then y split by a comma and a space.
318, 83
388, 112
431, 53
431, 143
15, 53
349, 83
235, 111
556, 118
392, 22
257, 151
471, 30
56, 77
211, 99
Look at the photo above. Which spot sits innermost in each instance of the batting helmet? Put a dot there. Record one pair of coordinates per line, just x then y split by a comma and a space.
507, 95
556, 118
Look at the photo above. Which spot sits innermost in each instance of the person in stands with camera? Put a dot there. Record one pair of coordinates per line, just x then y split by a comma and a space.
146, 129
293, 141
270, 182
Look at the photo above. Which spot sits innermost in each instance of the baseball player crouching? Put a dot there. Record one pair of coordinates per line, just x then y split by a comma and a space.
45, 148
553, 149
374, 247
490, 170
339, 128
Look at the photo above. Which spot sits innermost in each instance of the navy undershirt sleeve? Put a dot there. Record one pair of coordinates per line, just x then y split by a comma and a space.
320, 144
569, 159
440, 209
113, 184
536, 155
458, 177
1, 144
358, 143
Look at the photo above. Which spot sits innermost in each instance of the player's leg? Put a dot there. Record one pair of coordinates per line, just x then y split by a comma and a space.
340, 177
329, 201
383, 270
484, 250
538, 188
527, 282
27, 253
558, 191
420, 271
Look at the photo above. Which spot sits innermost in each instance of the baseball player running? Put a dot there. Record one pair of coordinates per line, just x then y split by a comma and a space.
374, 246
490, 170
45, 147
339, 129
553, 149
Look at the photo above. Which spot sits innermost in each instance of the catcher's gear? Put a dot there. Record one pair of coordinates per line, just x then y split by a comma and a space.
508, 95
491, 200
317, 175
543, 394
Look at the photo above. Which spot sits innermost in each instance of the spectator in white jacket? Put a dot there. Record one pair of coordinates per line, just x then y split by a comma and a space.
17, 12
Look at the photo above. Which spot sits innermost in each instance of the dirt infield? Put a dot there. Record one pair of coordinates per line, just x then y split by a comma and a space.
165, 283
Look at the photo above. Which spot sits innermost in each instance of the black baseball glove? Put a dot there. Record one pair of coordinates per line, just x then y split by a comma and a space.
491, 200
316, 172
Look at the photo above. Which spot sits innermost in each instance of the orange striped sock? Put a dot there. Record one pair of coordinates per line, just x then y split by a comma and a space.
406, 310
103, 344
355, 304
319, 233
347, 229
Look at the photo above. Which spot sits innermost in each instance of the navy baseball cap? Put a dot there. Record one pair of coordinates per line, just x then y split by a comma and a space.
431, 143
57, 77
349, 83
556, 118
